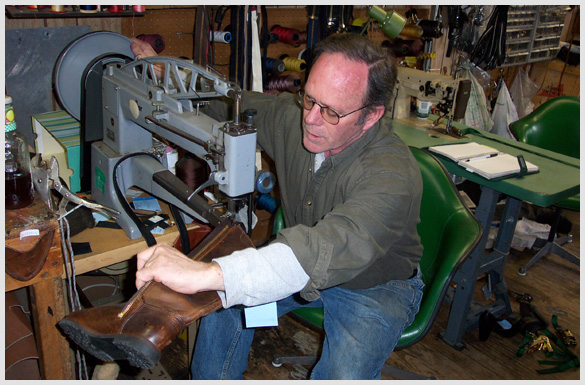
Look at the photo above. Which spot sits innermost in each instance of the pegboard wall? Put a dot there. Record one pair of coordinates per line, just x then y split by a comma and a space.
176, 26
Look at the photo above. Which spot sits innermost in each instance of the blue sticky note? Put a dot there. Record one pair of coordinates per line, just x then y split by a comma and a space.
261, 315
146, 203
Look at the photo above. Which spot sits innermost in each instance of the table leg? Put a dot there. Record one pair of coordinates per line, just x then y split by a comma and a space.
464, 315
48, 308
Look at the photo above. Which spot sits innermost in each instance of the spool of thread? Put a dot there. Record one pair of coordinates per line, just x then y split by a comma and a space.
115, 8
412, 30
286, 35
139, 8
88, 8
289, 83
58, 8
192, 171
220, 37
274, 66
401, 47
432, 29
156, 41
303, 37
267, 202
265, 181
293, 64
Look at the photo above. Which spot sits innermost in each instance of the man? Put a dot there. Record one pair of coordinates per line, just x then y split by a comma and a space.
350, 192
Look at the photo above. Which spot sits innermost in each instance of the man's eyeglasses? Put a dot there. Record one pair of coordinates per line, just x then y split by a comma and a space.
329, 115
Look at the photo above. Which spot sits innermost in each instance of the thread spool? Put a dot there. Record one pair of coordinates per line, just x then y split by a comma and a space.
401, 47
139, 8
293, 64
116, 8
220, 37
156, 41
88, 8
274, 66
286, 35
289, 83
192, 171
303, 37
412, 30
57, 8
267, 202
431, 28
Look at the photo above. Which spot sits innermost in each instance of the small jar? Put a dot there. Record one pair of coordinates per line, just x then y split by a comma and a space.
19, 191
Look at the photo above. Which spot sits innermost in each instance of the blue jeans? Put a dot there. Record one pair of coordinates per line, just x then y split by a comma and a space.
361, 327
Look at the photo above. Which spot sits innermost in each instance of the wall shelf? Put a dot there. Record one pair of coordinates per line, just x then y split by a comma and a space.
23, 12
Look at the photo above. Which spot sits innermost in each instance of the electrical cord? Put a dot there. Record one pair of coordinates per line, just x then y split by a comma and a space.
146, 234
490, 51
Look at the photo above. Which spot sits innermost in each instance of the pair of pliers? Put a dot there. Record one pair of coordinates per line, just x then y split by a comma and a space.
46, 178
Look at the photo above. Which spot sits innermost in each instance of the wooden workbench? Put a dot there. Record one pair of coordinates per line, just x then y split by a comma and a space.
45, 289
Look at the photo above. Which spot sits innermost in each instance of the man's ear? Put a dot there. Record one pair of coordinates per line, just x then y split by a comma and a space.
373, 116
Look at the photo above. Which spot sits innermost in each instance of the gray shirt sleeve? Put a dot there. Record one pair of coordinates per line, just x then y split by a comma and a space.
258, 276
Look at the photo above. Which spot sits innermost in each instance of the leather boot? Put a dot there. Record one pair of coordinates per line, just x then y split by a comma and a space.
139, 330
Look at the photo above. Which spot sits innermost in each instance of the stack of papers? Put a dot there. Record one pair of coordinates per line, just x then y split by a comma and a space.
483, 160
497, 166
464, 151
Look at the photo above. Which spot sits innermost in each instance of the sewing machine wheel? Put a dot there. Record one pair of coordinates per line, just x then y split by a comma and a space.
72, 62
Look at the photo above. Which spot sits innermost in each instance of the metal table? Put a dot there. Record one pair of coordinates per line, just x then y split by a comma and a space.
557, 179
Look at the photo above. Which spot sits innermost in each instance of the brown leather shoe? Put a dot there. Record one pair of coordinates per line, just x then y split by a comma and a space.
139, 330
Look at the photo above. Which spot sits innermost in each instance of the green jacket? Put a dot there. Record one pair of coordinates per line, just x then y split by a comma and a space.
353, 222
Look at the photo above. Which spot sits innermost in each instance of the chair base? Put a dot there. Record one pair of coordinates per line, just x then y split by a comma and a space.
387, 370
552, 248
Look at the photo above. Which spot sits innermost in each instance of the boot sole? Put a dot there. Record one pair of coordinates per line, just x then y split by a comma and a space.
136, 351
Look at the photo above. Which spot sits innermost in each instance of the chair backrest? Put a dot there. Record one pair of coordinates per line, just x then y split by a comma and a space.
553, 126
448, 232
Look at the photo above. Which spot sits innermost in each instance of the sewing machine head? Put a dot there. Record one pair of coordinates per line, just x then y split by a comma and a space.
449, 95
161, 97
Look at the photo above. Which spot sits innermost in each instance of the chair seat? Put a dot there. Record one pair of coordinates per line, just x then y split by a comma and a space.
571, 203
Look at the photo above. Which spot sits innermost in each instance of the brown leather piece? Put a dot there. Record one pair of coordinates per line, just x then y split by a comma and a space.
21, 354
157, 313
25, 265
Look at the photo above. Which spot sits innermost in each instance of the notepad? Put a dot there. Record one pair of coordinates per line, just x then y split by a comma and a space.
497, 166
464, 151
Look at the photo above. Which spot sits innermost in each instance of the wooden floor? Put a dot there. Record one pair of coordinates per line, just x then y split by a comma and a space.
552, 282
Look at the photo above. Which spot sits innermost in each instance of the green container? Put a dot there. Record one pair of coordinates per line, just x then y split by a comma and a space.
390, 22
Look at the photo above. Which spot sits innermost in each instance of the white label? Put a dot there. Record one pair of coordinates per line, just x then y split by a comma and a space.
29, 233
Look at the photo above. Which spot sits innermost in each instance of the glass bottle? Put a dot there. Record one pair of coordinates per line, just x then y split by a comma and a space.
17, 173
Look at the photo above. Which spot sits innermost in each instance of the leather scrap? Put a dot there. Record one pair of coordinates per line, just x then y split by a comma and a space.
25, 265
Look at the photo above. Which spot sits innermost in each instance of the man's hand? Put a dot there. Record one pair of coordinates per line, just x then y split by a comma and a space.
165, 264
141, 50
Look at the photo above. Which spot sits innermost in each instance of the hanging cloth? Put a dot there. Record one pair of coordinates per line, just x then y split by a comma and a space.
504, 113
256, 62
201, 37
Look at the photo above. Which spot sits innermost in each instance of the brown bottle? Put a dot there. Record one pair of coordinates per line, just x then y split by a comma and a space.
19, 191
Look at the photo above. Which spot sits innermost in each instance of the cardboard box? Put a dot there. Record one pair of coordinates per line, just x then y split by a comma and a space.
58, 135
548, 74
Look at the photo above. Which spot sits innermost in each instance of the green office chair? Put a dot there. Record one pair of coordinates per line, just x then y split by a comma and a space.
553, 126
448, 232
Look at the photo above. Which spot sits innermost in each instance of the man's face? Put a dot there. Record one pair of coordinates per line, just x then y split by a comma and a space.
340, 84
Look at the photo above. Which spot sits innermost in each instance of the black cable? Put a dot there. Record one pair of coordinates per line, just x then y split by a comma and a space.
250, 211
146, 234
183, 233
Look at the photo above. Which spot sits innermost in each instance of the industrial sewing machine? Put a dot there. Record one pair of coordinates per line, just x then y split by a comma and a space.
450, 96
138, 105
